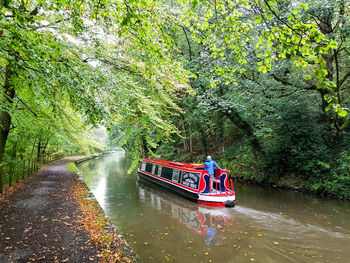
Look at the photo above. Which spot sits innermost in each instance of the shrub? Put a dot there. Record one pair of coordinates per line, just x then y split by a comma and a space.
338, 184
297, 147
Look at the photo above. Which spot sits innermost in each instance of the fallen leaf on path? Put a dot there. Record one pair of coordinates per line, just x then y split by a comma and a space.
27, 229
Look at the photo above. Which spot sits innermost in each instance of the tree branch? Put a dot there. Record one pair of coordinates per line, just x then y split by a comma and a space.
26, 106
281, 20
282, 80
188, 42
346, 76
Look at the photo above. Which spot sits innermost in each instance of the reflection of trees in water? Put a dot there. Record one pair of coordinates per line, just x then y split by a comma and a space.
91, 164
108, 164
207, 222
108, 174
190, 218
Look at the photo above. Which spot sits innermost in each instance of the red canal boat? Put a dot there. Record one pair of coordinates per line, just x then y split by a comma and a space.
190, 180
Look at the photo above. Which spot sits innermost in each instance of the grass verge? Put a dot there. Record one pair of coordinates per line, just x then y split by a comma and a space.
71, 167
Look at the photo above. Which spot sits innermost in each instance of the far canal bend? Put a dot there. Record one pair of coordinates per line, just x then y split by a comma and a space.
265, 226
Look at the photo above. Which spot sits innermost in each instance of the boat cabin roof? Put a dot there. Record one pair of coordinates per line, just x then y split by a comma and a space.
178, 165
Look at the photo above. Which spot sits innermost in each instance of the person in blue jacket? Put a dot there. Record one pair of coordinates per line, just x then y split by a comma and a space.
209, 165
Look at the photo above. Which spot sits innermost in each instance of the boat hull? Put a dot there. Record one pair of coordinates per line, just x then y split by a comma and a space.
221, 200
159, 182
205, 199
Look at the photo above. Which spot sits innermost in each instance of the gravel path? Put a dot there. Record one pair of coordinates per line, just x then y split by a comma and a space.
40, 221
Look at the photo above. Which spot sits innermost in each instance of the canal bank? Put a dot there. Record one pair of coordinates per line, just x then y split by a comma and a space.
53, 218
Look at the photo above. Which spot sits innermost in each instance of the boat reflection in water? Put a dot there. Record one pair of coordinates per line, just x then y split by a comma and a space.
206, 222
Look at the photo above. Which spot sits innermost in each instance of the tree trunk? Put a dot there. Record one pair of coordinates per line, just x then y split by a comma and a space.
5, 120
191, 144
245, 127
44, 146
204, 139
39, 149
220, 132
31, 154
330, 58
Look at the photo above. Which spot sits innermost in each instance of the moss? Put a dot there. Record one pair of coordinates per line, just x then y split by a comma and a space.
71, 167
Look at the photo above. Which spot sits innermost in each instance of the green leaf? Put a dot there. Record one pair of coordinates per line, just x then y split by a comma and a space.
272, 3
330, 106
304, 6
257, 20
342, 113
333, 44
194, 4
328, 98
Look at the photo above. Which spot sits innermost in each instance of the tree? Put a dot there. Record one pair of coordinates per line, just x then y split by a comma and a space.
37, 63
231, 28
79, 55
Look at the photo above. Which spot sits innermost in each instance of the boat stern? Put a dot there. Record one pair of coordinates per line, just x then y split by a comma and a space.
227, 199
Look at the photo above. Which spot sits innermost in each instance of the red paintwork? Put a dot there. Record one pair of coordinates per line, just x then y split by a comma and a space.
210, 203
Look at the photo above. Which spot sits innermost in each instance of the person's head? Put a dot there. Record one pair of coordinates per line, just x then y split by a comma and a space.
209, 157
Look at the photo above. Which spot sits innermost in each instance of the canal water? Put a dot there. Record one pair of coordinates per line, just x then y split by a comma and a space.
266, 225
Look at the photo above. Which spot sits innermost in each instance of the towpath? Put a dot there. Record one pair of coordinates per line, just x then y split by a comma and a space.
41, 221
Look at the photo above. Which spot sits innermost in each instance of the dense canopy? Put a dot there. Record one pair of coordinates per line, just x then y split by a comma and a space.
261, 85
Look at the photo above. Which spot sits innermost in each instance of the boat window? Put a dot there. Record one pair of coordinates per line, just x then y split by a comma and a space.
176, 175
149, 167
143, 166
159, 171
156, 170
167, 173
190, 179
153, 168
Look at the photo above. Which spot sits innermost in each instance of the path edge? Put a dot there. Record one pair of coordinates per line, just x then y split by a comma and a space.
114, 246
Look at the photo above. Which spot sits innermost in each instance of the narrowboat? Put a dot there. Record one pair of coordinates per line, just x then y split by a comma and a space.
190, 181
